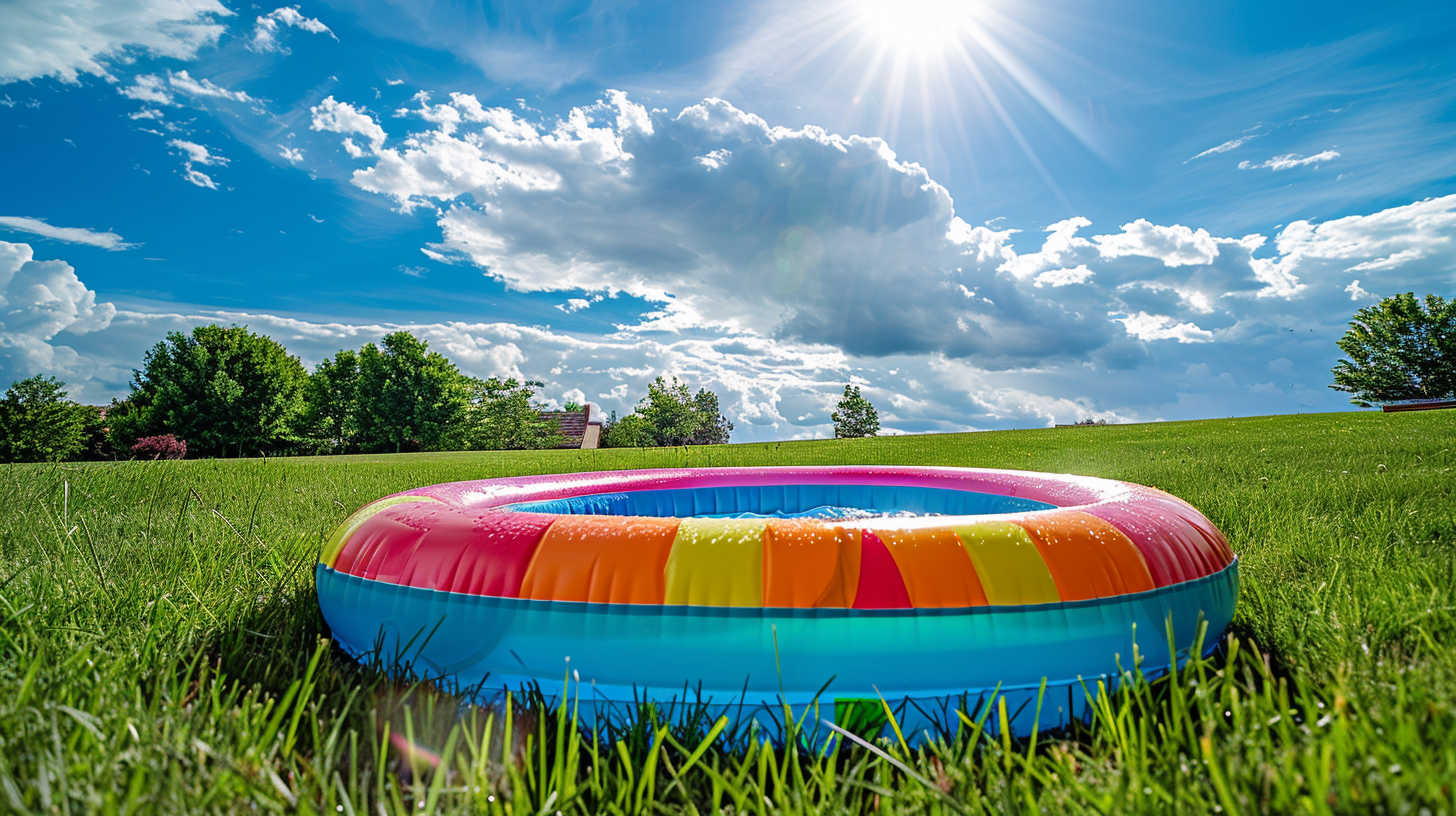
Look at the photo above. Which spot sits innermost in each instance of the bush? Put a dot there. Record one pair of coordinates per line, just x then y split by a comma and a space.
165, 446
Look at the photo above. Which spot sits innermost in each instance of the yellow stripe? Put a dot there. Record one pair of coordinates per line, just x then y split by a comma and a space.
716, 562
1011, 570
335, 544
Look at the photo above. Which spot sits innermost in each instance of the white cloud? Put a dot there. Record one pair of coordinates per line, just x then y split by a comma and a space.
196, 153
268, 26
293, 155
1063, 277
1231, 144
73, 235
1160, 327
1174, 246
162, 90
1061, 249
39, 300
1416, 240
1356, 292
67, 38
204, 88
1290, 160
1390, 261
148, 88
341, 117
807, 236
804, 259
198, 178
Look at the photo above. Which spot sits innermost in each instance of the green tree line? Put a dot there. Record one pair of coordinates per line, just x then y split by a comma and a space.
227, 392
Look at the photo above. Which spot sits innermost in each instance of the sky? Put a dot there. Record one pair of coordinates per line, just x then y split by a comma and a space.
986, 214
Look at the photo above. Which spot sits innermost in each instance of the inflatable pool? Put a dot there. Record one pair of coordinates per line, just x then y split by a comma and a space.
743, 589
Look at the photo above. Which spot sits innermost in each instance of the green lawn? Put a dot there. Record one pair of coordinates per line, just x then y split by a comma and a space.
162, 650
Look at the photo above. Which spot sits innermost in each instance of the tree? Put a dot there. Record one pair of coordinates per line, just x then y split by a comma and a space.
1398, 351
39, 423
856, 417
631, 431
670, 415
226, 391
409, 397
503, 416
331, 402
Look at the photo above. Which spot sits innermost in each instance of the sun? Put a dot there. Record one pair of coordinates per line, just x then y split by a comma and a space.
922, 27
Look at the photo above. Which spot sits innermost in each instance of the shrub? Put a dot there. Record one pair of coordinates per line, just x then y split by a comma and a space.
165, 446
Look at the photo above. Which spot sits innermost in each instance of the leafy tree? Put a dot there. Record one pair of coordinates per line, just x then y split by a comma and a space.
409, 397
1398, 350
224, 390
504, 416
671, 415
95, 442
38, 423
856, 417
331, 400
631, 431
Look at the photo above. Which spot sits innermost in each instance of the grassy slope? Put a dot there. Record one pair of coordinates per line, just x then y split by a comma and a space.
160, 644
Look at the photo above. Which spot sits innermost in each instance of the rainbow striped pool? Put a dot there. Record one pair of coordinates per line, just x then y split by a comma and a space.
740, 590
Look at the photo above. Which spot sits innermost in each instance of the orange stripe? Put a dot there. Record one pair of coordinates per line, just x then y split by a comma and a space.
601, 559
936, 569
1087, 557
806, 564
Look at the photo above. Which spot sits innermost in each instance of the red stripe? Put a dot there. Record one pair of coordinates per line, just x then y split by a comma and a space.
880, 584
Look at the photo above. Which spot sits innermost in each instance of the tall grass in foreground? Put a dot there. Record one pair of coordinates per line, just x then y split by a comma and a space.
161, 649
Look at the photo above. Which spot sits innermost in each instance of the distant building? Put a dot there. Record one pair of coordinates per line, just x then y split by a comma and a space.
579, 428
1417, 405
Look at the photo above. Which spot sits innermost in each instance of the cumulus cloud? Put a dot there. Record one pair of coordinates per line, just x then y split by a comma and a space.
334, 116
268, 27
1290, 160
39, 300
1418, 240
72, 235
725, 222
68, 38
1161, 327
293, 155
1170, 355
1174, 246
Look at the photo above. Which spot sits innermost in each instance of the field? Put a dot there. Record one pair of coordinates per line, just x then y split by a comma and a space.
161, 650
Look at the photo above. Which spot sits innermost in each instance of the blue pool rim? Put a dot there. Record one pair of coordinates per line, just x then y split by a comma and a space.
1082, 641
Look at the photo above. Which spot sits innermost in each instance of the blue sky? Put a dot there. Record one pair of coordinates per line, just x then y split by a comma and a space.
989, 214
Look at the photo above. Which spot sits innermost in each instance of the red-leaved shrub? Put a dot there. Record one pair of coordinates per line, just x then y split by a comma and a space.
165, 446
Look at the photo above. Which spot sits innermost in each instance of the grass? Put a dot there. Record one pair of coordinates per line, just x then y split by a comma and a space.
161, 649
